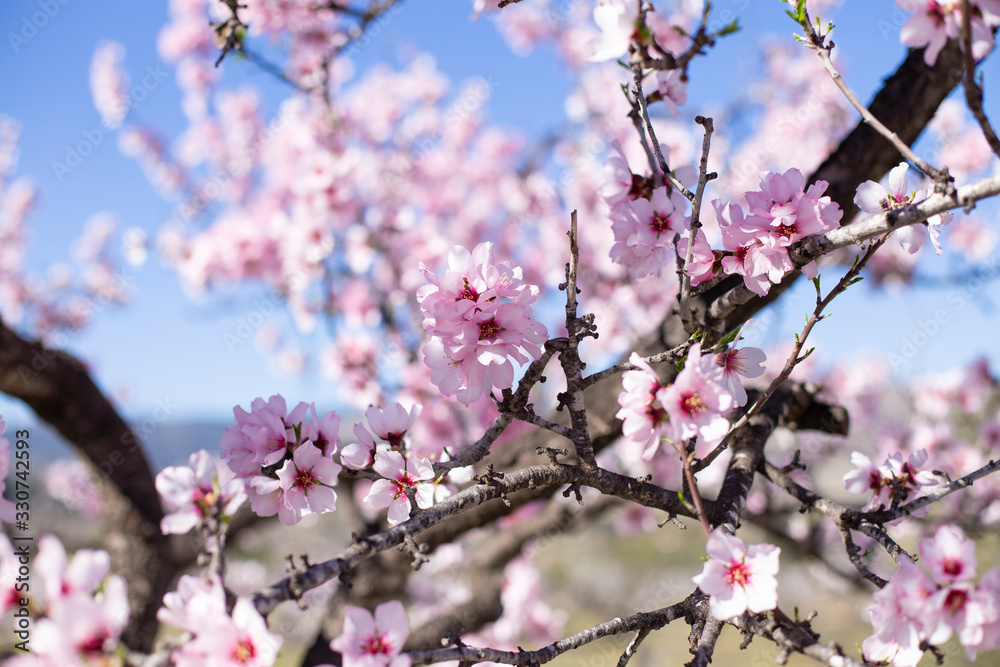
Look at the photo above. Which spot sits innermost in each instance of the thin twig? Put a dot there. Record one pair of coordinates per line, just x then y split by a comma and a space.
793, 358
823, 48
973, 92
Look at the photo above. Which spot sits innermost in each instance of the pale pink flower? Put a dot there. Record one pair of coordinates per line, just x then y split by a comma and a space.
242, 640
306, 480
193, 492
83, 628
696, 402
868, 477
737, 363
400, 477
874, 198
673, 87
737, 578
937, 22
359, 455
108, 84
949, 555
703, 264
644, 231
374, 640
617, 20
196, 602
644, 420
61, 577
392, 423
479, 316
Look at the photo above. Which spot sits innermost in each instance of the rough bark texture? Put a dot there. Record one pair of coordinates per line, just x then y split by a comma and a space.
59, 389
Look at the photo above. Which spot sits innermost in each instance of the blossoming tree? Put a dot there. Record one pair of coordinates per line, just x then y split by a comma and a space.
477, 297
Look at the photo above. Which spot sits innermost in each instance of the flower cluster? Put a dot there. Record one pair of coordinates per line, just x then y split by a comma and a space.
479, 316
374, 640
644, 229
736, 578
936, 22
780, 213
926, 607
286, 462
693, 406
203, 488
874, 198
84, 611
240, 639
893, 483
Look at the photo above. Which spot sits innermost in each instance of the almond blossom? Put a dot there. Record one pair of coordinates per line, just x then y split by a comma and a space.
781, 212
696, 401
201, 489
918, 608
644, 420
617, 20
374, 640
479, 316
736, 363
895, 482
401, 477
239, 640
737, 578
285, 471
644, 231
935, 22
874, 198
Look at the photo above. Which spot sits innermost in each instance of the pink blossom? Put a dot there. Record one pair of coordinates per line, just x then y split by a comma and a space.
644, 420
392, 423
868, 477
737, 363
241, 640
108, 84
949, 555
617, 20
374, 640
938, 22
83, 627
201, 489
737, 578
915, 609
306, 480
703, 264
874, 198
359, 455
196, 602
400, 476
644, 231
673, 87
479, 316
696, 402
61, 577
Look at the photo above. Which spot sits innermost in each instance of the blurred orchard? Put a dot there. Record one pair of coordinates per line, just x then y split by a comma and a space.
545, 351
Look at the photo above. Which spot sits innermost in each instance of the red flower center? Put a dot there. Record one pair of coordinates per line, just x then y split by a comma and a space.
376, 645
692, 403
244, 651
738, 575
489, 330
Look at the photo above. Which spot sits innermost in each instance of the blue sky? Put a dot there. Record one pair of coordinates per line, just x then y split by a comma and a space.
167, 347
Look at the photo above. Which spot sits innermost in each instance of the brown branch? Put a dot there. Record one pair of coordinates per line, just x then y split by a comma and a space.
61, 392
